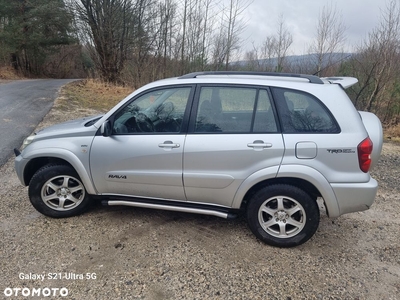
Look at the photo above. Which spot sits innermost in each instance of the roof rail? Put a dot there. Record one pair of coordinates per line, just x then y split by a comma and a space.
311, 78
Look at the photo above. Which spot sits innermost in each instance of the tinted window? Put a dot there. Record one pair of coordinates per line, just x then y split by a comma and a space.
234, 110
302, 112
155, 111
264, 118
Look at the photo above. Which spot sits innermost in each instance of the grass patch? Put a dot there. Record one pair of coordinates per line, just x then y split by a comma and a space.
8, 73
393, 133
94, 94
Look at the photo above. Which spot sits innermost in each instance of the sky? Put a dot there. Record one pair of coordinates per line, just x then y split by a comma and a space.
301, 17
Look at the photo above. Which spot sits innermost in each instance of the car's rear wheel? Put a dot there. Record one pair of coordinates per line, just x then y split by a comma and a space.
283, 215
57, 191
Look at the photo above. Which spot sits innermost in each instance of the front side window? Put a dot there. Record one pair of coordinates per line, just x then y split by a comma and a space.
301, 112
156, 111
234, 110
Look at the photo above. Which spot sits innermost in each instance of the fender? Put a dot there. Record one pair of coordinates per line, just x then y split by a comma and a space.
318, 180
69, 157
291, 171
249, 182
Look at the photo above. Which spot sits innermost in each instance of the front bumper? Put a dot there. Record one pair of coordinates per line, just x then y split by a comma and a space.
17, 152
352, 197
19, 164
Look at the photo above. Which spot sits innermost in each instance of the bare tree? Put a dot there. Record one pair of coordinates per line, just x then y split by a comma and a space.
194, 35
274, 48
109, 27
185, 13
147, 31
330, 37
234, 26
167, 10
207, 31
282, 43
268, 51
219, 47
253, 60
376, 67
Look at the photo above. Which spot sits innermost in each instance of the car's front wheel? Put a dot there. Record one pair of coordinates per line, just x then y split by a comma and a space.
57, 191
283, 215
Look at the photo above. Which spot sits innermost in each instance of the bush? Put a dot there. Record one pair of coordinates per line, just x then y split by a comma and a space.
393, 133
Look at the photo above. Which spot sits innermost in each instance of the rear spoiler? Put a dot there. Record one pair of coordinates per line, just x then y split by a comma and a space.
345, 82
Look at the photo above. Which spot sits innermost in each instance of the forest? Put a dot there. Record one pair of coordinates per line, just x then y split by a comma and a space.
133, 42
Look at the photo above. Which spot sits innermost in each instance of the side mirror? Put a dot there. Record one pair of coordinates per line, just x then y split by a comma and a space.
105, 128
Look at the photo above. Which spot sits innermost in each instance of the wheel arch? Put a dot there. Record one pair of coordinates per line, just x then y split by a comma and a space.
36, 163
303, 177
62, 157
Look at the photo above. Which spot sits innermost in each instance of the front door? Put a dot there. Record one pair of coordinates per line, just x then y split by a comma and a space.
143, 156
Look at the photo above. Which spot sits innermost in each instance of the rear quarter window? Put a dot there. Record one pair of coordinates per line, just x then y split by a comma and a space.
301, 112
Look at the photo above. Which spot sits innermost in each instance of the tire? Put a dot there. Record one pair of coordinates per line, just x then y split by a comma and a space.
283, 215
56, 191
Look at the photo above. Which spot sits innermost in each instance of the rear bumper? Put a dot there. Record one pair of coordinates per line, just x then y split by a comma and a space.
352, 197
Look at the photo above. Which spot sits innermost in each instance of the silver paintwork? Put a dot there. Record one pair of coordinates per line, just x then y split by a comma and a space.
218, 169
374, 128
215, 166
150, 170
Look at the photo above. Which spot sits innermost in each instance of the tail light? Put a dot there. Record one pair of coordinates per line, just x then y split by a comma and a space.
364, 150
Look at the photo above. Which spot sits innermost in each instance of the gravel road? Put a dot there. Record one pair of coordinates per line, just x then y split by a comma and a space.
132, 253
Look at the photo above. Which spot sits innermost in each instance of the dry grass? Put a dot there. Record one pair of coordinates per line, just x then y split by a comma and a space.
393, 133
8, 73
94, 94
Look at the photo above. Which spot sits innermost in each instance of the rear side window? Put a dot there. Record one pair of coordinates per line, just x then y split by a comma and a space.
301, 112
234, 110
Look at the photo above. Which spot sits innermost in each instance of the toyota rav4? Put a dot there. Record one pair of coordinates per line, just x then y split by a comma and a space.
218, 143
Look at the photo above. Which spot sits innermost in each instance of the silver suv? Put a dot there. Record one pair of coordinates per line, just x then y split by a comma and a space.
216, 143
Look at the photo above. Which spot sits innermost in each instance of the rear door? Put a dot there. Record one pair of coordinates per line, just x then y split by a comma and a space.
233, 133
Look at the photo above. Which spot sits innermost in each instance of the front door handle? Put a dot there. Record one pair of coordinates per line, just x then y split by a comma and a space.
168, 145
259, 145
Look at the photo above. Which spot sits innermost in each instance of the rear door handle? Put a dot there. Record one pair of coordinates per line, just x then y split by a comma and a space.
259, 145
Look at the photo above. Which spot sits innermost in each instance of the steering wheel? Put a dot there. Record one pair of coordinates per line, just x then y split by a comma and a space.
120, 128
144, 123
